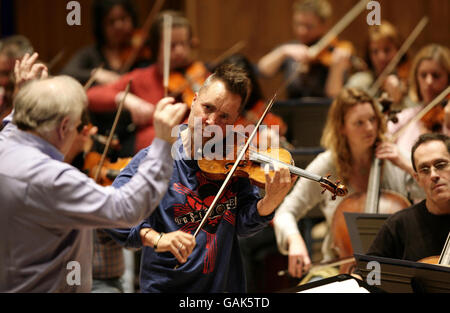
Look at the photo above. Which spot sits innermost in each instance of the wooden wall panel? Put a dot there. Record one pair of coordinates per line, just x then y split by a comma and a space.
219, 24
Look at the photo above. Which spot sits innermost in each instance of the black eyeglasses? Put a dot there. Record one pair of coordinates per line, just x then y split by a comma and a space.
80, 127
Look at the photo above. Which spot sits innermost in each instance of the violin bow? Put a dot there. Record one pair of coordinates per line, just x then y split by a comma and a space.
92, 78
314, 50
422, 113
229, 52
400, 53
167, 37
337, 28
55, 60
111, 134
145, 28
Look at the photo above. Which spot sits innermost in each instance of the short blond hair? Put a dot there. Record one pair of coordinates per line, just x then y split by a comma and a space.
320, 8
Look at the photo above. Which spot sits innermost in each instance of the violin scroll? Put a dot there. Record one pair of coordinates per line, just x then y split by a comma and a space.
387, 110
337, 189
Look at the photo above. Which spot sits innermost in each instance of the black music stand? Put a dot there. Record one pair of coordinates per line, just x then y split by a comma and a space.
401, 276
363, 228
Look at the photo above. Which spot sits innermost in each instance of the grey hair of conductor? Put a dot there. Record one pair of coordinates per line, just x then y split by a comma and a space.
40, 105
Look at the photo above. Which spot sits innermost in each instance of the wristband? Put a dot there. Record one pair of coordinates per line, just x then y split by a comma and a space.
157, 241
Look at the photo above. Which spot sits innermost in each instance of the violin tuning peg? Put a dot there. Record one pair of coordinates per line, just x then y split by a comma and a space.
333, 197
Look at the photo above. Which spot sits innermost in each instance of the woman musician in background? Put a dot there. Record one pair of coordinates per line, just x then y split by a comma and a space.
353, 136
114, 22
383, 44
429, 76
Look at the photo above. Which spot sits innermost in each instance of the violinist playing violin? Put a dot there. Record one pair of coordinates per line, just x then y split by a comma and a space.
421, 230
100, 63
310, 21
353, 136
147, 88
215, 264
429, 77
383, 43
113, 24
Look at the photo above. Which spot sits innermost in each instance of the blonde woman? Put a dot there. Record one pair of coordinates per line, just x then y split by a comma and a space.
429, 76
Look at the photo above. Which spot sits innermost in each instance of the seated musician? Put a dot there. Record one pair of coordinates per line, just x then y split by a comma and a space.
429, 76
421, 230
215, 264
383, 44
113, 24
353, 135
147, 83
309, 21
11, 49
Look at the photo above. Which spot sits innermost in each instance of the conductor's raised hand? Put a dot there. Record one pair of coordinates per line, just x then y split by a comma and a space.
27, 69
168, 114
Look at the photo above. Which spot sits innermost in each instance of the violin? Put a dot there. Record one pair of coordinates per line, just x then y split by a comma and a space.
137, 49
252, 167
109, 170
442, 259
403, 70
430, 260
325, 57
184, 84
434, 118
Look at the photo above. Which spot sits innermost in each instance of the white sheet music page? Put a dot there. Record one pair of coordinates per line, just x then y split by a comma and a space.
346, 286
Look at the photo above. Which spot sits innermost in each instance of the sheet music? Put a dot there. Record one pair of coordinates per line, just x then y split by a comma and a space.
346, 286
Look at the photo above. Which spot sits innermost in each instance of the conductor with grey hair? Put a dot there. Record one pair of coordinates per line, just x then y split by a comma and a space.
49, 208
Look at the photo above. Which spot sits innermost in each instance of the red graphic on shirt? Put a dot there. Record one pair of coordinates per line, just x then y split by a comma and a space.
189, 214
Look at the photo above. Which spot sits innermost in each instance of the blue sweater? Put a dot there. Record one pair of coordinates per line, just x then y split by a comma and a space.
215, 264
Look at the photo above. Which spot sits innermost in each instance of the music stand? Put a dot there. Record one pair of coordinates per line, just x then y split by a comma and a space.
363, 228
401, 276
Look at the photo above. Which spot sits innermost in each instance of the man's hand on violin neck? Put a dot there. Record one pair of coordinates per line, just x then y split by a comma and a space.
277, 187
168, 114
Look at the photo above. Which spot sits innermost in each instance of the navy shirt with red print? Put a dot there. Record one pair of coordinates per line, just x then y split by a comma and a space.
215, 264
